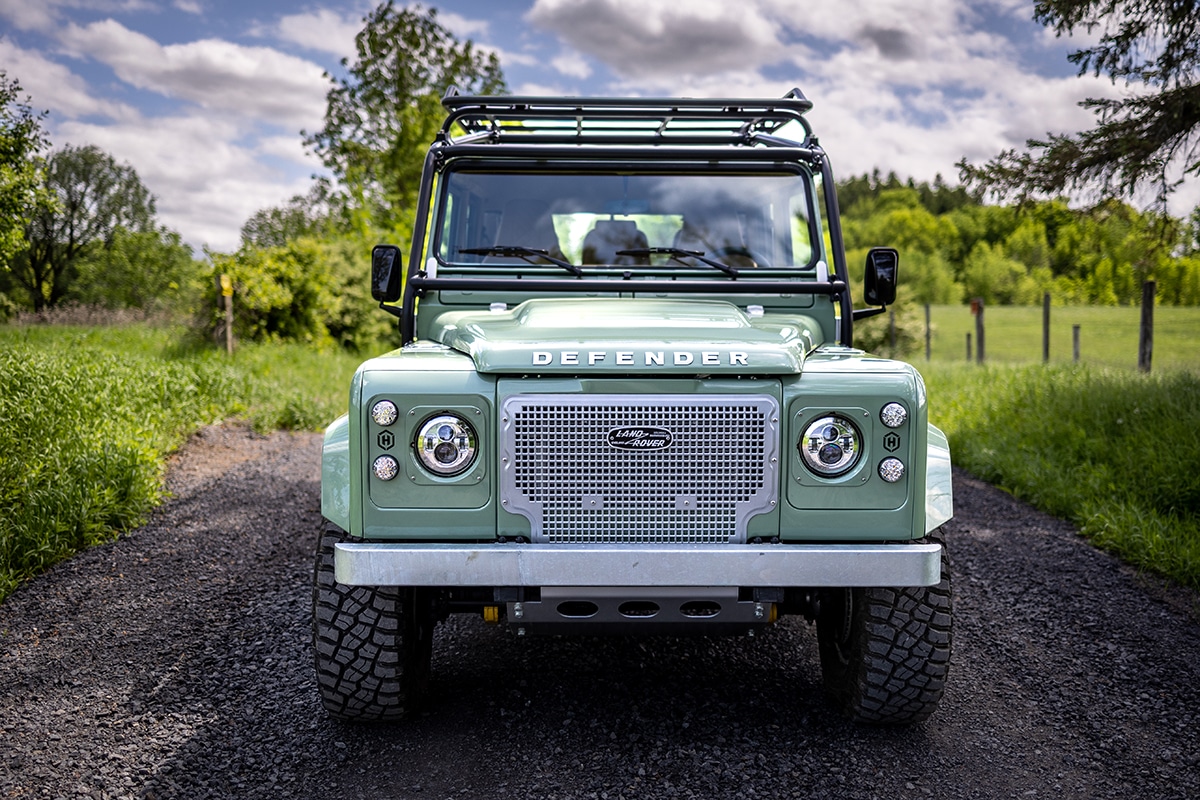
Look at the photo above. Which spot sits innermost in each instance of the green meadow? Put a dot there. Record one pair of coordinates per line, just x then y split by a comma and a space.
1108, 335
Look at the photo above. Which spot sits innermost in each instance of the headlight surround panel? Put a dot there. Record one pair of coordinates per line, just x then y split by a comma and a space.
432, 472
852, 482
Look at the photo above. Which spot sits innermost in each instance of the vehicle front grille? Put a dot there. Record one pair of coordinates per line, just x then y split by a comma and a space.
565, 466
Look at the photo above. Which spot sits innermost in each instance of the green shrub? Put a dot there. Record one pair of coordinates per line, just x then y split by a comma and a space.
309, 290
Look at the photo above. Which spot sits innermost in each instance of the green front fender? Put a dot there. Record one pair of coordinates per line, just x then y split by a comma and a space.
939, 484
335, 473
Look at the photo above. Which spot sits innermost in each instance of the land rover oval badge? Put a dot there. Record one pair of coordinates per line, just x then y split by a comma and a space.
635, 438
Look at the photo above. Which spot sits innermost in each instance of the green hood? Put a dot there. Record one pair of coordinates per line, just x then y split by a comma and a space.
606, 335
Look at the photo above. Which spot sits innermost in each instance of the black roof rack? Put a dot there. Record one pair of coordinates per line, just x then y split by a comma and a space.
626, 120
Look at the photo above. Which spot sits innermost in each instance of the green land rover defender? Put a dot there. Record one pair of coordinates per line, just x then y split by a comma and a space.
626, 400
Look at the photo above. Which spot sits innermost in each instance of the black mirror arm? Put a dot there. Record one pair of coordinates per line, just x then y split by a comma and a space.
866, 313
395, 311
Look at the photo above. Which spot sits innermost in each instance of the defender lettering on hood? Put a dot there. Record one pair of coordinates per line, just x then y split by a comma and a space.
649, 358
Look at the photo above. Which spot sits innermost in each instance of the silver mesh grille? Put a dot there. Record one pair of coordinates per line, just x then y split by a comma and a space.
561, 469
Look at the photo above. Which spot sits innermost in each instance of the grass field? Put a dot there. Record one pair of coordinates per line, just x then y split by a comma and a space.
1115, 451
87, 416
1108, 336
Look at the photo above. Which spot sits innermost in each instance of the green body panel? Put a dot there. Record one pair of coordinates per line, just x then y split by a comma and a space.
857, 506
477, 340
335, 473
422, 382
939, 481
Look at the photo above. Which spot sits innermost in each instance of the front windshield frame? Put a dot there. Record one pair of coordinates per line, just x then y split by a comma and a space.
793, 185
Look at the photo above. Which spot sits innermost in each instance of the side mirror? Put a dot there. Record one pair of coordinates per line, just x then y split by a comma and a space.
879, 280
387, 268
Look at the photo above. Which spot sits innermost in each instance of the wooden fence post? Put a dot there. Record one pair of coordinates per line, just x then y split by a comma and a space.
227, 296
970, 352
1075, 341
927, 335
1046, 328
977, 310
1146, 337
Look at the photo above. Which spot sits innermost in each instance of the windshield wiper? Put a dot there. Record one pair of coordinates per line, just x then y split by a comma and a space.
677, 253
526, 253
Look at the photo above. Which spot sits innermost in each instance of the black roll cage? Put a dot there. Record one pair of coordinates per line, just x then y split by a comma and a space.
602, 131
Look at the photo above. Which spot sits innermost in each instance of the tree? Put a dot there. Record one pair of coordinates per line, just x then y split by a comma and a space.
21, 193
380, 119
1137, 140
303, 215
151, 270
95, 197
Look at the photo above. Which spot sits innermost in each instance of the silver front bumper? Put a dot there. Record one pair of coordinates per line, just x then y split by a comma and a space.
579, 565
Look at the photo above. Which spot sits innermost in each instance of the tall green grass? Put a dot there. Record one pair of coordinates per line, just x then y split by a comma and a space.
1117, 452
87, 416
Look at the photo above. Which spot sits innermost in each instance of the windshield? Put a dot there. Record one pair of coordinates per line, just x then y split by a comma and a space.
757, 220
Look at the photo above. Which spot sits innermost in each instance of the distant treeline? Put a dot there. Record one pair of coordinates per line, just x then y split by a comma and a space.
954, 247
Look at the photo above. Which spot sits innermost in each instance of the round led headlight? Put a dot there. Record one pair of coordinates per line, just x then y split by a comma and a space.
891, 469
445, 444
893, 415
830, 445
385, 468
384, 413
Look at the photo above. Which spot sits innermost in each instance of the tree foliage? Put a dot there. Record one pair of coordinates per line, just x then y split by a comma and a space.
303, 215
95, 197
380, 119
954, 248
307, 289
151, 269
1151, 45
21, 141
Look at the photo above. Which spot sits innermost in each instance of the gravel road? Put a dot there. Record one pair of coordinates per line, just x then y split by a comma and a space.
175, 663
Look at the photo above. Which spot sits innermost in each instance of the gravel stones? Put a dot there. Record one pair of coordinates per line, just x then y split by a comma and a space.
176, 663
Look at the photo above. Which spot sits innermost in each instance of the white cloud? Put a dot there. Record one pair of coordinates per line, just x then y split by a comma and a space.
189, 6
287, 148
257, 82
893, 89
27, 16
462, 27
323, 30
53, 86
542, 90
571, 64
649, 38
43, 15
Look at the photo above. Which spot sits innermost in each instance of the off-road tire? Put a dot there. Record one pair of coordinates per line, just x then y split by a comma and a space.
372, 644
885, 653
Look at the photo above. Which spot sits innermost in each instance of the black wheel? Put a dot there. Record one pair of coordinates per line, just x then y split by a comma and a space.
885, 653
372, 643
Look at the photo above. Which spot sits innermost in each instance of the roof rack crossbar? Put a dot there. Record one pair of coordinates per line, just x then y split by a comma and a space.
589, 115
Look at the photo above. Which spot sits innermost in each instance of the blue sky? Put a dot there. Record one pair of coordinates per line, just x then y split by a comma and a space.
207, 98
